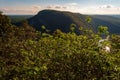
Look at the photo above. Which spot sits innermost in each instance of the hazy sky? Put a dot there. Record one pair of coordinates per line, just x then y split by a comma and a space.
81, 6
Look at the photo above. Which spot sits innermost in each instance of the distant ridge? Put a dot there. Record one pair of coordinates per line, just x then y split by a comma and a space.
111, 22
62, 20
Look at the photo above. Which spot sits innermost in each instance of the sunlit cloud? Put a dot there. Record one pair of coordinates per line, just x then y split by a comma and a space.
21, 10
72, 4
101, 9
65, 7
36, 7
107, 6
56, 7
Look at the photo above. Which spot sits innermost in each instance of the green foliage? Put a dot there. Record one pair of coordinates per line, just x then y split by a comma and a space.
103, 30
61, 56
5, 25
1, 12
43, 27
115, 40
88, 19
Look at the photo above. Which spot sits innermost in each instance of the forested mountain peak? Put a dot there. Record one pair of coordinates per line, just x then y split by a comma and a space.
62, 20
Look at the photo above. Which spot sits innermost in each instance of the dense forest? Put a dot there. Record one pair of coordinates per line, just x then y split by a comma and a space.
28, 54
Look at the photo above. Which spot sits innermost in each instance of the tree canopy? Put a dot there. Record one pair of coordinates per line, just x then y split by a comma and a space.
31, 55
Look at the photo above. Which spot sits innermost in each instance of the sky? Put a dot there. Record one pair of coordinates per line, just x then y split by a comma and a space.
31, 7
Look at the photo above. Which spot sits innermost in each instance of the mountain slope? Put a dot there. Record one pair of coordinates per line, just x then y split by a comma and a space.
58, 20
111, 22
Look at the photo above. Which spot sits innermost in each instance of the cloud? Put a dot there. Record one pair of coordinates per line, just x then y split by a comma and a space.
73, 7
60, 7
15, 11
107, 6
72, 4
49, 6
103, 9
36, 7
65, 7
20, 10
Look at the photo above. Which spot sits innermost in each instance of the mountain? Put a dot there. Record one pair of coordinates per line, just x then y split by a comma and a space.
58, 20
62, 20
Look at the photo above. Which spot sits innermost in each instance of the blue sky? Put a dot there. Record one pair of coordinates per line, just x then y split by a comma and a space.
80, 6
